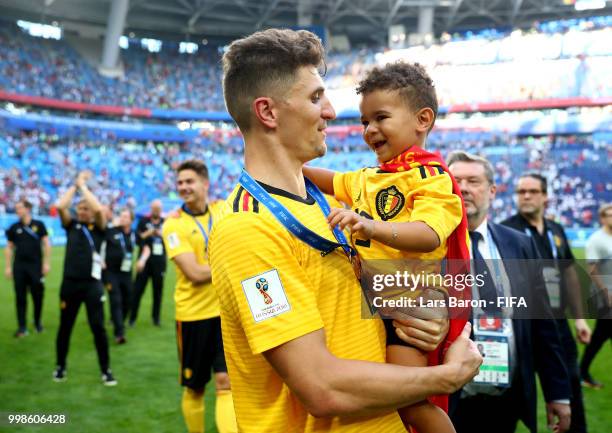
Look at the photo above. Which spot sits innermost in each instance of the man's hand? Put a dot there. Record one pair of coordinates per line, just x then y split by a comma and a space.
45, 268
8, 272
422, 334
140, 265
358, 225
82, 178
583, 332
563, 415
465, 357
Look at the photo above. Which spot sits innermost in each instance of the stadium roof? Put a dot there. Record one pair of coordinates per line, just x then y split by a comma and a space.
363, 21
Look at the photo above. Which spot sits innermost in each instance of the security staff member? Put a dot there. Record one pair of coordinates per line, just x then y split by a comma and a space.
151, 261
120, 243
29, 250
560, 275
82, 272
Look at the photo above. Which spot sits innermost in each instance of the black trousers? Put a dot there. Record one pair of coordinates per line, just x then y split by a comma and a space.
570, 350
156, 274
484, 414
28, 275
601, 333
72, 294
119, 288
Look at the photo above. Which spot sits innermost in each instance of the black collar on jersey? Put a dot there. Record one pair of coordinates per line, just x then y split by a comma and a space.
525, 224
188, 211
277, 191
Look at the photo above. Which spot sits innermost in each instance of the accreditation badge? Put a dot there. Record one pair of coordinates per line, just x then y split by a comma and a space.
126, 263
158, 248
96, 266
492, 336
552, 279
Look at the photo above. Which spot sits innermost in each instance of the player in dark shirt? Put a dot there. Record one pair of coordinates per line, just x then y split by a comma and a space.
151, 261
29, 251
120, 245
82, 273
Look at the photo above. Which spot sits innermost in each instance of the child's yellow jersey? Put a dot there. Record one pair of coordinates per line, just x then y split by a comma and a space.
422, 194
182, 235
274, 288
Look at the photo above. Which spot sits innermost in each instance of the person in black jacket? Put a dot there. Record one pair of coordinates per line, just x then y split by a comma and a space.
82, 273
120, 244
501, 399
151, 262
561, 277
29, 250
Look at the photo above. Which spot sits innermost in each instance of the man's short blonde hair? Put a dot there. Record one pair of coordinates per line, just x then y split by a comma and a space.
604, 208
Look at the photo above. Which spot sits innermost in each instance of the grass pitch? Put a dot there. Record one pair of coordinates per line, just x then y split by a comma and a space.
147, 398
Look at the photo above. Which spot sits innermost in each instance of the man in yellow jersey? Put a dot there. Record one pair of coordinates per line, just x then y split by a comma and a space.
198, 328
300, 356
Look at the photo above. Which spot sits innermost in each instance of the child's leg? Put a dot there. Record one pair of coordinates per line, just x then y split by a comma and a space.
423, 416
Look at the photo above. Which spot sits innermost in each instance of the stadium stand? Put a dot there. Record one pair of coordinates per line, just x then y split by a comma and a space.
40, 152
506, 67
38, 166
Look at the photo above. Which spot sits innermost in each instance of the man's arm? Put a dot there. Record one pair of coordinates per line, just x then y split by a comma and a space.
583, 331
63, 205
406, 236
90, 198
321, 177
595, 275
145, 233
46, 255
8, 259
331, 386
195, 272
144, 256
546, 344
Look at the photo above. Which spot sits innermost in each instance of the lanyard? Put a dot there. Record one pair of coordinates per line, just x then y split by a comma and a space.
210, 220
31, 232
495, 259
291, 223
154, 237
553, 246
89, 238
122, 241
551, 242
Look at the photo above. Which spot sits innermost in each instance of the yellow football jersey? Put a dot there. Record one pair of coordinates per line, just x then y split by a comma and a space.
421, 194
273, 288
182, 235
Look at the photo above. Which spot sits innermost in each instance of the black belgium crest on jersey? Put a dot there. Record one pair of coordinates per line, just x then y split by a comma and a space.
389, 202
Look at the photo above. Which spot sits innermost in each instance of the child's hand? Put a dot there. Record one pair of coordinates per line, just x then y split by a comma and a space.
362, 227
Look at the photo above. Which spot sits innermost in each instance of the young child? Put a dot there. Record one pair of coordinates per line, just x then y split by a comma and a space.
409, 207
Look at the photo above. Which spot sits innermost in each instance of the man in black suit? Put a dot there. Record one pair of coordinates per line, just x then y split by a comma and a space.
503, 394
561, 278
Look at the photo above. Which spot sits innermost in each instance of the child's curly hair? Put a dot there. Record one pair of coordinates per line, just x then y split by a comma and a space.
410, 79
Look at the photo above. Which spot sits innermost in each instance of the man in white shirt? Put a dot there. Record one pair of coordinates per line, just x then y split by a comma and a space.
599, 258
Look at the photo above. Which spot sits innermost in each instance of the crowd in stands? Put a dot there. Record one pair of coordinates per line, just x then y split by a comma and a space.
53, 69
555, 60
488, 67
39, 167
